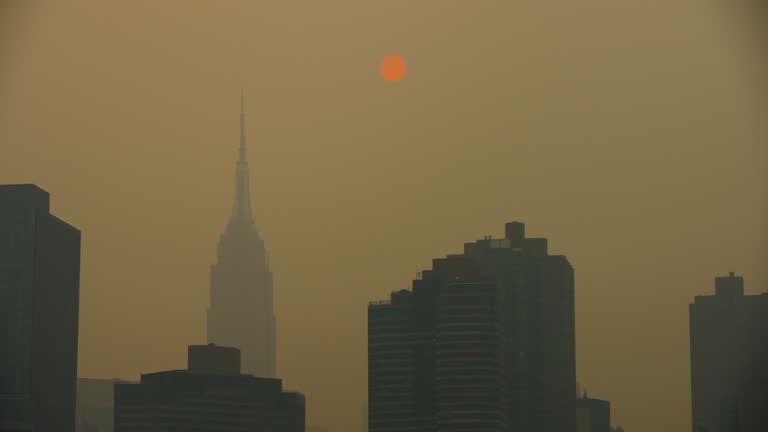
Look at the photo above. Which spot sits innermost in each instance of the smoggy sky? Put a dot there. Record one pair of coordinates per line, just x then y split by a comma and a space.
631, 134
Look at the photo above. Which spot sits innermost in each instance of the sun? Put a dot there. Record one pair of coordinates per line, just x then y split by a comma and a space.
392, 68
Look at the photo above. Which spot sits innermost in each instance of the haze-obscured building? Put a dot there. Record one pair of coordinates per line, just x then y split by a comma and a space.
241, 310
39, 302
209, 399
96, 404
484, 341
729, 359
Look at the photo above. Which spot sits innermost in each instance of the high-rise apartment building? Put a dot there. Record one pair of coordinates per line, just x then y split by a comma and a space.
729, 359
483, 342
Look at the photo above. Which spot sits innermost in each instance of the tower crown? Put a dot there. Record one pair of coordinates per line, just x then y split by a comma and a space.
241, 210
729, 286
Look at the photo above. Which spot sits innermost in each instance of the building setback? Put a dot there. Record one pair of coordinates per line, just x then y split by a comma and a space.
39, 300
483, 342
593, 415
241, 312
205, 401
729, 359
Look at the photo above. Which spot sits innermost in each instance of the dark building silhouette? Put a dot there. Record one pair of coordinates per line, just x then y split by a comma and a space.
483, 342
205, 401
593, 415
87, 427
753, 402
39, 297
241, 308
213, 359
729, 359
95, 404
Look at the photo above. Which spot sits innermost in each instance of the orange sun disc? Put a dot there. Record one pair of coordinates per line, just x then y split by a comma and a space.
392, 68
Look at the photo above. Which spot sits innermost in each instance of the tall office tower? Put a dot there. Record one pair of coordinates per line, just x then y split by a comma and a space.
39, 299
210, 396
729, 359
241, 309
483, 342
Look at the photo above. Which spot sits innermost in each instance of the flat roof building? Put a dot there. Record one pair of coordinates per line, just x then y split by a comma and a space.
39, 303
213, 359
593, 415
729, 359
208, 399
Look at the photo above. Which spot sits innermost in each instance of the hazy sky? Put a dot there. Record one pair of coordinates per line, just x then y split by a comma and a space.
632, 134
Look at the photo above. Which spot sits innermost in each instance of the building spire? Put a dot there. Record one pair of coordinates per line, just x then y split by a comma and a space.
242, 207
242, 125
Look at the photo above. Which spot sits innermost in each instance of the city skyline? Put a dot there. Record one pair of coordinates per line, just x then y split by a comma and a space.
514, 297
632, 138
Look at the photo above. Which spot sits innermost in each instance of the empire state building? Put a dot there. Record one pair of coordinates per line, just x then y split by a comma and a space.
241, 311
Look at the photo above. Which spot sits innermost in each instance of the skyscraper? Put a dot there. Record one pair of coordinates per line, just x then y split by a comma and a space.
729, 359
241, 308
484, 341
39, 302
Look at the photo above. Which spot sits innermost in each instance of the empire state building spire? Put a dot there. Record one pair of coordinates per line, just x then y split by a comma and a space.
241, 211
241, 310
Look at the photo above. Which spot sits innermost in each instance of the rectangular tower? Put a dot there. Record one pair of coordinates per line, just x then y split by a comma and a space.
540, 350
213, 359
484, 341
729, 359
401, 362
593, 415
39, 297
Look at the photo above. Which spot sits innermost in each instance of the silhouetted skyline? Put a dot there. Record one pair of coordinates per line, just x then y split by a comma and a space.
485, 341
633, 134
